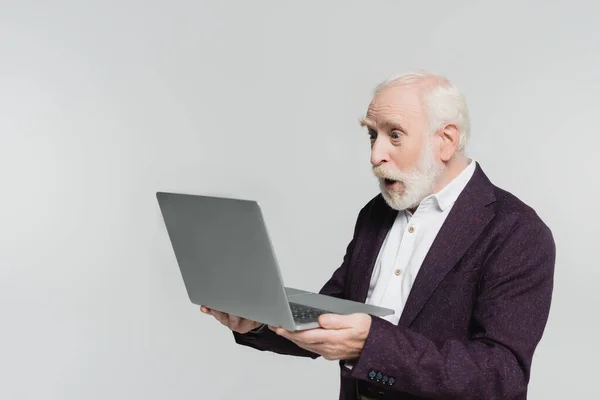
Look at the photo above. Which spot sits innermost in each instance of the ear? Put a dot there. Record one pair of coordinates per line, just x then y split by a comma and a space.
449, 136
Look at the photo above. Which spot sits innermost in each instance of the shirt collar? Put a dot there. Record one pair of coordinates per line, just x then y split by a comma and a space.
449, 193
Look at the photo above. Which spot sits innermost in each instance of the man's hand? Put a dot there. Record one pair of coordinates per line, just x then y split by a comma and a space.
341, 337
234, 323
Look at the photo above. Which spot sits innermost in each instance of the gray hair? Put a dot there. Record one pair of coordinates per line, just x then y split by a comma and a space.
443, 102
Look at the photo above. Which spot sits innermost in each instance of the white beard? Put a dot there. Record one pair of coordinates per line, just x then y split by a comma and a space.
417, 184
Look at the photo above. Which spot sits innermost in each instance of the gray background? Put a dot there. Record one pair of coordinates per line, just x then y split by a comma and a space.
104, 102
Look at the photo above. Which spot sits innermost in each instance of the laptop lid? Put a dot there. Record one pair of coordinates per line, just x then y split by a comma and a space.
225, 256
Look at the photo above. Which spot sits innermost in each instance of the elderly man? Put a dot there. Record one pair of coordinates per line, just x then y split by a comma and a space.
467, 266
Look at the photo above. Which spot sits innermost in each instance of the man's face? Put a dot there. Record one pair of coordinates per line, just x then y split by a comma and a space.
403, 154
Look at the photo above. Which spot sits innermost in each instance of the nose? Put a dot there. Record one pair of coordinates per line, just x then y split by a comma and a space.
379, 153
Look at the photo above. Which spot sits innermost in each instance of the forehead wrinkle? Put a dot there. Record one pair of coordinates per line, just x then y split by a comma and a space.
388, 116
395, 105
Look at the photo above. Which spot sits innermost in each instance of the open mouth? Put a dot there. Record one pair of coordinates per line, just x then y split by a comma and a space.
392, 184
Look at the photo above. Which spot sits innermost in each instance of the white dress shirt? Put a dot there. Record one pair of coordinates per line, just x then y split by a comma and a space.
407, 244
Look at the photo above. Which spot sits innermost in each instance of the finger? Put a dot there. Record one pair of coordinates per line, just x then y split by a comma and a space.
314, 336
224, 321
281, 331
246, 325
293, 336
311, 336
205, 310
221, 317
219, 314
336, 321
234, 321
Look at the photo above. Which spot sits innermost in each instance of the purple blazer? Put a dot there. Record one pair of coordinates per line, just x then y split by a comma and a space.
476, 311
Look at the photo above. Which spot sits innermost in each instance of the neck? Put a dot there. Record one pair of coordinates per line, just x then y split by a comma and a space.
452, 169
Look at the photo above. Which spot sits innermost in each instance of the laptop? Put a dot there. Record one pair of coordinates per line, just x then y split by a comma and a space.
228, 263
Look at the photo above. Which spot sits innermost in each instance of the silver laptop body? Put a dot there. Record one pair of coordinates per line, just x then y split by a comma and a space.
228, 264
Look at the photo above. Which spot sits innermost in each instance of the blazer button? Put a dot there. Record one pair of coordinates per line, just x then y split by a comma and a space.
372, 374
385, 379
391, 381
379, 376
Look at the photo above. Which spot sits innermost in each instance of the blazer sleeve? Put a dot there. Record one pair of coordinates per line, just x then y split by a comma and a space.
509, 318
267, 340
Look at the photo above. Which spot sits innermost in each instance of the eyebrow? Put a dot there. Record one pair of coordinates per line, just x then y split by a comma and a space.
370, 124
366, 122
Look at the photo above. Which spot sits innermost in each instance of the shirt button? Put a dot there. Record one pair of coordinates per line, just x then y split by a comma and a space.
411, 229
397, 272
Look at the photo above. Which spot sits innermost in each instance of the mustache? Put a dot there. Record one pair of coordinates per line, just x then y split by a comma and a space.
382, 172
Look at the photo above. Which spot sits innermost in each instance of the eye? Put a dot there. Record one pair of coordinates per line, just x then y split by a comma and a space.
372, 135
396, 134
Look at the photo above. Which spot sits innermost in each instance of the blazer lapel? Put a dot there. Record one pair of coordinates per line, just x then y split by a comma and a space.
464, 224
379, 225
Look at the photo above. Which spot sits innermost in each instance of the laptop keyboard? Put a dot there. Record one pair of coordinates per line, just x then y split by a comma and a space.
303, 314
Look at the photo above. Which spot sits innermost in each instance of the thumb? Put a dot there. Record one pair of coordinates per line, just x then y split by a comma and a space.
333, 321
